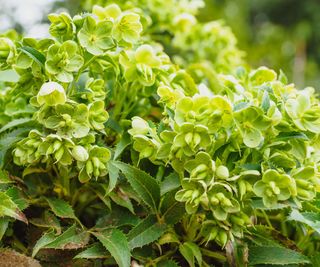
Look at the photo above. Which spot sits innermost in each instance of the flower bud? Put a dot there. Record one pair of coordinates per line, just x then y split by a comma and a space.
222, 172
80, 153
51, 94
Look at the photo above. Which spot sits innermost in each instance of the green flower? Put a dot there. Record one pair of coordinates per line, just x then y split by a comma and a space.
201, 168
98, 116
57, 148
63, 60
7, 52
146, 147
262, 75
96, 36
221, 202
214, 112
26, 151
306, 181
112, 11
96, 88
80, 153
274, 187
70, 120
192, 194
305, 116
141, 65
190, 139
51, 94
61, 26
96, 164
251, 122
127, 27
169, 96
139, 127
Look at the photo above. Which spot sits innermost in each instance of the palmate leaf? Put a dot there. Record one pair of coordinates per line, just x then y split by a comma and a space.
147, 231
116, 243
275, 256
142, 183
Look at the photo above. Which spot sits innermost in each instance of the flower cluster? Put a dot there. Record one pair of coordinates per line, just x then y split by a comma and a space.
251, 141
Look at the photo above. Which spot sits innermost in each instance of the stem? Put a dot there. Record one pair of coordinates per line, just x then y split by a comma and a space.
267, 219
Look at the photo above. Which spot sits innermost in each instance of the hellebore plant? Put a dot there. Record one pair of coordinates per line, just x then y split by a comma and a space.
112, 154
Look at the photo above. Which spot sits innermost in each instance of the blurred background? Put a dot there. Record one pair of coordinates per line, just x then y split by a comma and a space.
280, 34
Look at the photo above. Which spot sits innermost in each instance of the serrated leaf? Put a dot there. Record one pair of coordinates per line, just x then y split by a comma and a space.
61, 208
48, 220
311, 219
258, 204
96, 251
8, 139
45, 239
9, 208
172, 211
145, 232
116, 243
171, 182
167, 263
4, 177
4, 222
15, 123
143, 184
191, 252
17, 197
275, 255
34, 54
69, 239
113, 176
121, 146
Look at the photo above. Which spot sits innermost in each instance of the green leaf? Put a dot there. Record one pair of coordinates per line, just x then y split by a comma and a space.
121, 146
8, 139
4, 223
145, 185
191, 252
172, 210
96, 251
113, 176
4, 177
275, 255
116, 243
9, 208
69, 239
15, 123
311, 219
45, 239
147, 231
167, 263
34, 54
61, 208
17, 197
171, 182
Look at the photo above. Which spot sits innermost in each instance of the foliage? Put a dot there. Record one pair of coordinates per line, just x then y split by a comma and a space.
113, 154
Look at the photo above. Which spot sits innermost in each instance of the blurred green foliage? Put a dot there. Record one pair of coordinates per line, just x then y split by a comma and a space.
279, 34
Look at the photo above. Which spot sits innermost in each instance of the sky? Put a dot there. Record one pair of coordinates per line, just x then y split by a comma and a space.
28, 13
